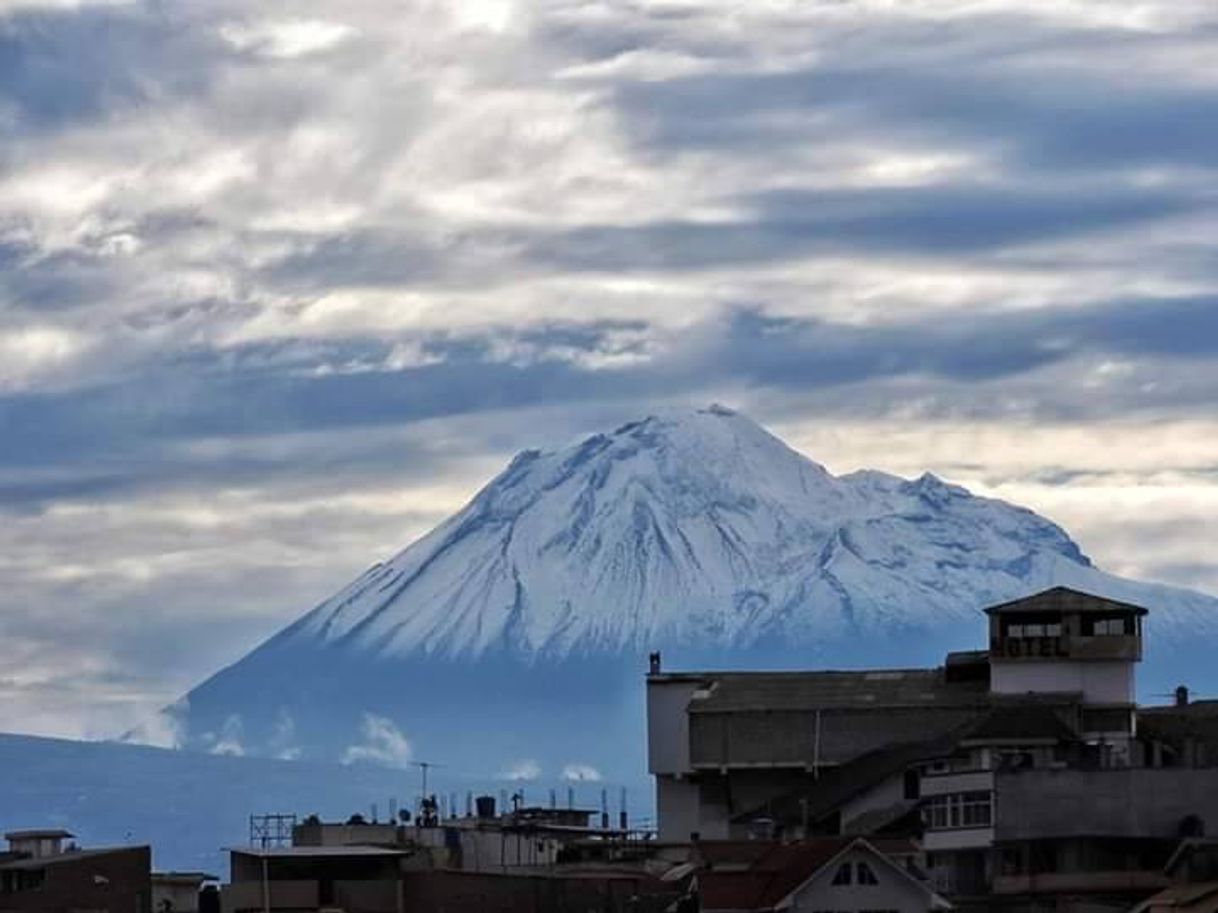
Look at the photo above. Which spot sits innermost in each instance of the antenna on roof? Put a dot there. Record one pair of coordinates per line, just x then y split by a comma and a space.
424, 766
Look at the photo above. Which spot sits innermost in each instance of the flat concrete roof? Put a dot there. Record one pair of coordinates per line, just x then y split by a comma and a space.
39, 834
183, 877
298, 852
67, 858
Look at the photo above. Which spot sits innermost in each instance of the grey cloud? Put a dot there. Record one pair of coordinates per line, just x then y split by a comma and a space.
939, 221
115, 435
963, 86
59, 68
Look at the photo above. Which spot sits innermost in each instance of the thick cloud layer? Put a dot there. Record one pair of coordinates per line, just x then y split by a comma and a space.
282, 283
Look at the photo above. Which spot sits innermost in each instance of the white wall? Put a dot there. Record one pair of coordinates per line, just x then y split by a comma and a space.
971, 838
493, 850
183, 898
677, 806
1099, 682
668, 726
964, 782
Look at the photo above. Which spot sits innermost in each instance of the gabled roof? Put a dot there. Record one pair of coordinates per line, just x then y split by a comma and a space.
771, 880
1063, 599
774, 874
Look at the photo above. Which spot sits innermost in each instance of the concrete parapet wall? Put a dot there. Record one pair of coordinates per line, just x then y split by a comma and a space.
1133, 802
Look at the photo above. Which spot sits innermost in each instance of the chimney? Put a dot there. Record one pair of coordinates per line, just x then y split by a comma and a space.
654, 663
1182, 696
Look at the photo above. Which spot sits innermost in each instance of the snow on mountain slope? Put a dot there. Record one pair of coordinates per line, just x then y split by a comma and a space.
526, 615
695, 528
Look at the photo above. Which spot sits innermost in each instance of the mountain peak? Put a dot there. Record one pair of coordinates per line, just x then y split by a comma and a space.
687, 526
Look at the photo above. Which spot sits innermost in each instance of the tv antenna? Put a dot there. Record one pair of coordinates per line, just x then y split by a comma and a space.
424, 767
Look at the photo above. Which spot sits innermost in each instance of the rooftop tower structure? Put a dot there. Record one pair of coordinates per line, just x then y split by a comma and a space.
1063, 641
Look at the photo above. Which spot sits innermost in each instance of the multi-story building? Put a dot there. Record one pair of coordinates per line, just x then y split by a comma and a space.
1026, 771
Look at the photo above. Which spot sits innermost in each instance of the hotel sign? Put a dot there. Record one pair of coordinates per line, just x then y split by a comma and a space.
1029, 647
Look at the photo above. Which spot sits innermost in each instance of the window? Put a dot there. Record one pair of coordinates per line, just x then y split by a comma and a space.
1105, 627
959, 810
844, 874
975, 809
22, 880
866, 876
935, 813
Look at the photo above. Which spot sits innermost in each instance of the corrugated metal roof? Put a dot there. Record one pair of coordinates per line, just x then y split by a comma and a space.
315, 852
1064, 599
744, 691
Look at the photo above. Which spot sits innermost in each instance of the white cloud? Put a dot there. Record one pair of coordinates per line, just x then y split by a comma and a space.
282, 741
229, 741
162, 729
383, 744
36, 353
286, 39
523, 770
581, 773
17, 6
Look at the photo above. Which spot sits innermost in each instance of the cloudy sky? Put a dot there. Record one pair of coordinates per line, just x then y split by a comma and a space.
283, 281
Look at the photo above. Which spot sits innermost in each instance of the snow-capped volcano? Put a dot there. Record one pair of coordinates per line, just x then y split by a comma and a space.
700, 528
697, 532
